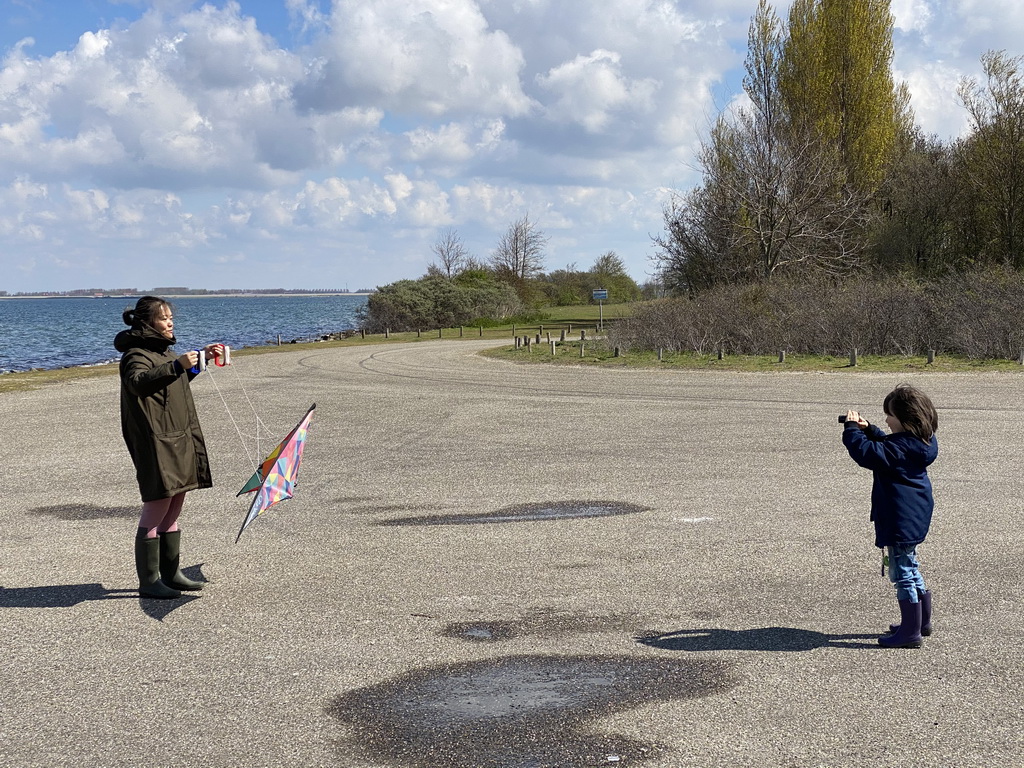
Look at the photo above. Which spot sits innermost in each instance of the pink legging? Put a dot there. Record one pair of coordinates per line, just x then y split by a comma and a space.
161, 516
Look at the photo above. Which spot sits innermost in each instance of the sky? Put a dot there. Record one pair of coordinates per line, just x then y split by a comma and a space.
306, 144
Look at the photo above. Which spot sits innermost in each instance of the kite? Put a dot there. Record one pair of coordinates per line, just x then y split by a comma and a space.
275, 478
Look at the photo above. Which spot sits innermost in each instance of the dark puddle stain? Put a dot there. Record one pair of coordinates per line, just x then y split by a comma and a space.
758, 639
517, 712
542, 623
87, 512
525, 513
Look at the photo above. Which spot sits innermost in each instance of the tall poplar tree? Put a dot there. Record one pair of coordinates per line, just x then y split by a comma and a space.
836, 78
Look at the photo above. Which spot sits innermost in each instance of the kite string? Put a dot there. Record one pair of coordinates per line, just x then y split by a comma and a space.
259, 421
241, 438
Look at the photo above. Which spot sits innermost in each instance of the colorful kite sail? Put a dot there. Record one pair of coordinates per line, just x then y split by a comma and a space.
275, 479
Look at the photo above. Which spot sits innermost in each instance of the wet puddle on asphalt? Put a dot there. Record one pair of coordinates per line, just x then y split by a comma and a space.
517, 712
524, 513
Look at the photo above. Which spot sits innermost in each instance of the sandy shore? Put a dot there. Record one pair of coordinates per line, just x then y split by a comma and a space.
437, 595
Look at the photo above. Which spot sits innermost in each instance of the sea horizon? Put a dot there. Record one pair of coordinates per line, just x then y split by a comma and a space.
37, 333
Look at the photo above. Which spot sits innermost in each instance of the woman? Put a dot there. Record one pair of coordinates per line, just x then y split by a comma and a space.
161, 429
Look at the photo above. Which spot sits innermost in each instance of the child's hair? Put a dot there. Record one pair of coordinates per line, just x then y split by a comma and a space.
145, 311
914, 409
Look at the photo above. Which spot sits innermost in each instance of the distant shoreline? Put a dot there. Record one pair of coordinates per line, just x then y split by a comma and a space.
189, 296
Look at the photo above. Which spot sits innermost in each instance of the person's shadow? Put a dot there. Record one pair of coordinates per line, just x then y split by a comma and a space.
70, 595
759, 639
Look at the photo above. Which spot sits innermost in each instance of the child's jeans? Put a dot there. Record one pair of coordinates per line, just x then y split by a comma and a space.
904, 572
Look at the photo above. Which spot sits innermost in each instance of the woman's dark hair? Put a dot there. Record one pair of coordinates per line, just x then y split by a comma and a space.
145, 311
914, 409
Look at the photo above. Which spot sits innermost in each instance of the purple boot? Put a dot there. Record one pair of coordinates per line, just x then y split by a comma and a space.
926, 614
908, 635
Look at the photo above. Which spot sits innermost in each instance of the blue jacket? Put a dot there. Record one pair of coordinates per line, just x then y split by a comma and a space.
901, 495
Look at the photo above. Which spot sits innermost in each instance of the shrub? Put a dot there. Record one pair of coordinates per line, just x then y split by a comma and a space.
436, 302
974, 314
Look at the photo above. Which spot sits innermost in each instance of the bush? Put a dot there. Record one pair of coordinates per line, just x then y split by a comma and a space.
436, 302
973, 314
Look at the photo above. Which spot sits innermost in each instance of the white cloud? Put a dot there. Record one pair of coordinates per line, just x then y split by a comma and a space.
415, 57
589, 89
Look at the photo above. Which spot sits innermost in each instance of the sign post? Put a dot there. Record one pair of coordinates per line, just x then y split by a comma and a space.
600, 295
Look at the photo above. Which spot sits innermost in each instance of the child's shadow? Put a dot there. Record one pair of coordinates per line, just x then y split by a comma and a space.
760, 639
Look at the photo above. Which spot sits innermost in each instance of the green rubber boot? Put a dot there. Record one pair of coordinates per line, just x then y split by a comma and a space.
170, 572
147, 565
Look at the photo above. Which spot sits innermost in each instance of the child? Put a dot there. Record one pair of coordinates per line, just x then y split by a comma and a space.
901, 499
161, 429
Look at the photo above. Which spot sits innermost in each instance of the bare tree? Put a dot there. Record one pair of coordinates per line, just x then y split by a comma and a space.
520, 252
451, 253
993, 157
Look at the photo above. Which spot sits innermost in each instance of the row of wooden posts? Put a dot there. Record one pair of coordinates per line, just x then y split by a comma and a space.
527, 341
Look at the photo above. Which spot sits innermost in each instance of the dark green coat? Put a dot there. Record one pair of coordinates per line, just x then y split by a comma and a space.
158, 417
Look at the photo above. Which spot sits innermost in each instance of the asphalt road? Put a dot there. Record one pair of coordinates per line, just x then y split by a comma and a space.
519, 566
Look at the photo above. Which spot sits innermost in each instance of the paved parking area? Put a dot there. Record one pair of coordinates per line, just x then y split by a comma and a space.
490, 564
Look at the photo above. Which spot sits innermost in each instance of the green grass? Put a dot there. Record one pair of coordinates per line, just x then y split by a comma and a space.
600, 354
587, 313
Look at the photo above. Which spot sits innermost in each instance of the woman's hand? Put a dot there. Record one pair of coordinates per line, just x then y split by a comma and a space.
213, 350
856, 418
189, 360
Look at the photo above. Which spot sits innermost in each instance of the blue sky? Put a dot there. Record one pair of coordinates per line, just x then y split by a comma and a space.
288, 143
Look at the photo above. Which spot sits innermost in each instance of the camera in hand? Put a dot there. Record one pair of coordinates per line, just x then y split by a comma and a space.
842, 418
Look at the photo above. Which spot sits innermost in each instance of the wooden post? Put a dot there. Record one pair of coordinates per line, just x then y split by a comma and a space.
583, 334
439, 333
721, 353
563, 336
549, 335
418, 333
460, 331
581, 348
362, 333
616, 352
569, 329
782, 355
513, 329
552, 343
538, 338
279, 339
660, 354
931, 356
853, 357
518, 342
481, 331
1020, 360
540, 329
387, 333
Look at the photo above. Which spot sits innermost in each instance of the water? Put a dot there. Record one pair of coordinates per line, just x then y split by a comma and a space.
57, 333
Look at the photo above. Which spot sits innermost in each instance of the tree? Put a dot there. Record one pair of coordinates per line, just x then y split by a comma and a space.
520, 252
992, 158
917, 230
771, 199
451, 253
609, 272
836, 78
